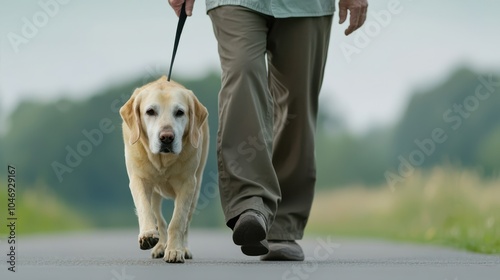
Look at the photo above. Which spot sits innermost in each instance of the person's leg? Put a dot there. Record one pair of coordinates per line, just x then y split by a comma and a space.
244, 147
297, 53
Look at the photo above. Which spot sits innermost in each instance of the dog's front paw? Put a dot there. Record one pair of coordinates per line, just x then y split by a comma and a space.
158, 251
148, 239
187, 254
174, 256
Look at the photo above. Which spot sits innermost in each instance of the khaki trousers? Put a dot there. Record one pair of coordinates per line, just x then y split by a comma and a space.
267, 114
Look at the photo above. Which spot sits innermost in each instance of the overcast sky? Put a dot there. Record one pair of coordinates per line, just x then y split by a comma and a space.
84, 45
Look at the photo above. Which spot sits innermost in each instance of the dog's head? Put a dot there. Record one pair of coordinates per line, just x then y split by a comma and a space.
162, 115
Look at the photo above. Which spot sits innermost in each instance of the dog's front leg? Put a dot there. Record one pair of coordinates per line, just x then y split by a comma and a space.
141, 193
159, 249
175, 251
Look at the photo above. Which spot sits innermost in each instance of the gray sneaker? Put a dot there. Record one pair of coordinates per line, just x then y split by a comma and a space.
283, 250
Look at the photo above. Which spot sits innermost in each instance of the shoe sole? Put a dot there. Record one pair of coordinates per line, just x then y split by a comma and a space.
256, 249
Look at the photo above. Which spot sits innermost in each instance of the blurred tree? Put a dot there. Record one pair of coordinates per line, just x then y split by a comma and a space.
488, 152
464, 108
345, 159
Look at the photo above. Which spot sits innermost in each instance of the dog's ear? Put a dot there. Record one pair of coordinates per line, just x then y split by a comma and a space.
197, 117
130, 113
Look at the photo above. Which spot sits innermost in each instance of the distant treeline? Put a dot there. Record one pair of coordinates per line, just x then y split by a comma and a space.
455, 123
76, 147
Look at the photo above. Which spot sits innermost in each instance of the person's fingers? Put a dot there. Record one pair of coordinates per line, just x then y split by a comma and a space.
354, 20
342, 13
357, 13
189, 7
176, 6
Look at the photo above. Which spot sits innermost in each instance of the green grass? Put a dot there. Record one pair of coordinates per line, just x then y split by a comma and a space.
443, 206
40, 211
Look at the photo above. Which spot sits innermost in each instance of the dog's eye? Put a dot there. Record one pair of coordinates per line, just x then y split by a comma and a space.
151, 112
179, 113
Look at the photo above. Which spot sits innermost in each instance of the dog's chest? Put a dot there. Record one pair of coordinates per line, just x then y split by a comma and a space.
169, 183
167, 176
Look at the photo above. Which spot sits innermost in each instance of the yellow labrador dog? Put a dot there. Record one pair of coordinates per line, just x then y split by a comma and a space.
166, 136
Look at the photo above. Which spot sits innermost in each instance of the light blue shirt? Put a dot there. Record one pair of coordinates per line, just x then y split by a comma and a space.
281, 8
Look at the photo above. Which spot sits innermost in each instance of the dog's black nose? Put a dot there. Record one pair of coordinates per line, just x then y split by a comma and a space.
167, 137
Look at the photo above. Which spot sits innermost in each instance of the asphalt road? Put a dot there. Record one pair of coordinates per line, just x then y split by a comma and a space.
115, 255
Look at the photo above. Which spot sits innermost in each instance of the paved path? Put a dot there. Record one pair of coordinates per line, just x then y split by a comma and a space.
115, 255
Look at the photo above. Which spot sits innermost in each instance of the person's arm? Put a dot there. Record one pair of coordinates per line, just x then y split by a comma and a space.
177, 5
357, 10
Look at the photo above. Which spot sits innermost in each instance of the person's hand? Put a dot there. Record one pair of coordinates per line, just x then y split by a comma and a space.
177, 5
357, 9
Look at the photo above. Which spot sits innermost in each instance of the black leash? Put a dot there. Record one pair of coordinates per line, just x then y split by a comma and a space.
180, 26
